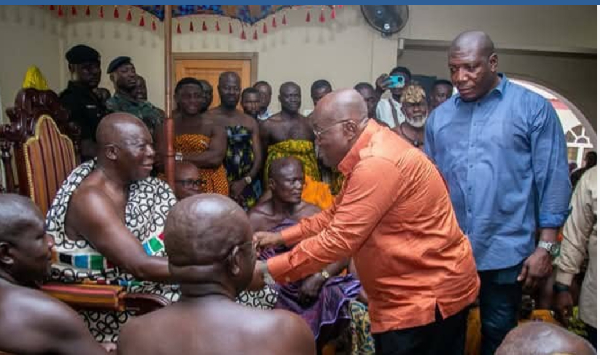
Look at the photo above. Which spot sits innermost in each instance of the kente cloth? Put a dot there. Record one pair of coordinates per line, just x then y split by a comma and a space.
238, 163
214, 179
360, 327
301, 149
314, 192
332, 307
75, 260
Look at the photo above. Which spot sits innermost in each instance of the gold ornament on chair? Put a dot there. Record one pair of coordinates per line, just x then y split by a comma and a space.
34, 79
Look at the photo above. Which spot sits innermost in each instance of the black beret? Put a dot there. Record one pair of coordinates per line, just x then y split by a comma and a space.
118, 62
80, 54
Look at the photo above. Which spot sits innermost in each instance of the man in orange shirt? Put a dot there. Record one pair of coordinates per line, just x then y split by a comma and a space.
395, 219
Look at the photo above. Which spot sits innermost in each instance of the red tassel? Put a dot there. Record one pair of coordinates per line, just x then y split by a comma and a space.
60, 12
101, 11
153, 25
178, 28
87, 11
265, 30
191, 26
116, 13
308, 16
204, 27
255, 36
230, 28
274, 23
52, 8
322, 17
217, 27
129, 16
142, 21
284, 21
333, 13
243, 36
73, 10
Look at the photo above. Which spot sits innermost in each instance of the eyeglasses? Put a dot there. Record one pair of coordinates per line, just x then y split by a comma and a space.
191, 183
319, 133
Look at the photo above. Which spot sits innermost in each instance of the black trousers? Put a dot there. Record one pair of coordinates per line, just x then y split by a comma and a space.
592, 334
444, 336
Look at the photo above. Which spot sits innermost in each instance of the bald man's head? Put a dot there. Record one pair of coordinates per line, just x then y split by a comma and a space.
538, 338
473, 63
338, 120
290, 97
211, 233
286, 180
478, 40
24, 246
125, 144
229, 89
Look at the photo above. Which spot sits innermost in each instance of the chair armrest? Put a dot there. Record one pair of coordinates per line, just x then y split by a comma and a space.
88, 296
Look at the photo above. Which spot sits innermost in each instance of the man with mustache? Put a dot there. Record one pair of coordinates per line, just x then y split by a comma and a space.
502, 152
108, 217
124, 78
414, 107
86, 108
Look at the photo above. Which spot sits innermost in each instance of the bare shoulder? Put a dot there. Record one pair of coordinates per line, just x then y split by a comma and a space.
258, 216
37, 311
90, 195
132, 333
292, 331
308, 209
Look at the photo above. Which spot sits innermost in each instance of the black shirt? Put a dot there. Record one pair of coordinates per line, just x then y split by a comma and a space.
85, 107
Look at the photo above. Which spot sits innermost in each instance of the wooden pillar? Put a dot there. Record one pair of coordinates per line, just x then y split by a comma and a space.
169, 126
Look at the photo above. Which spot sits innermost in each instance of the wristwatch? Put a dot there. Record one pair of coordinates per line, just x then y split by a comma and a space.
178, 156
248, 179
325, 274
552, 248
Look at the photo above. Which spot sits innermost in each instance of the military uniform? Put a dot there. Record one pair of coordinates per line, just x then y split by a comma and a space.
86, 110
151, 115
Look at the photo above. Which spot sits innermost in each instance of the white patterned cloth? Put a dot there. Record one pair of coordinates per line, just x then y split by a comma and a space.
77, 260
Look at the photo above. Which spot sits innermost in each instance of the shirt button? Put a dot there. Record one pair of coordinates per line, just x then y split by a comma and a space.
470, 166
470, 188
469, 210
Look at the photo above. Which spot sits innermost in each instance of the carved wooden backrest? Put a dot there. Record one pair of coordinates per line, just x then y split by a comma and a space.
49, 157
43, 155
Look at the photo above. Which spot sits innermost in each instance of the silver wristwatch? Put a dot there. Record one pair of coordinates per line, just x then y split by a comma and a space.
178, 156
552, 248
248, 179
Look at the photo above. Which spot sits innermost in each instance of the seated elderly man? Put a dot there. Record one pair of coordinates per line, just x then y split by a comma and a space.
321, 299
33, 322
108, 217
214, 261
537, 338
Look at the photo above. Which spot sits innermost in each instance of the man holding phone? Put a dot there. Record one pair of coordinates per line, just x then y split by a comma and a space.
390, 110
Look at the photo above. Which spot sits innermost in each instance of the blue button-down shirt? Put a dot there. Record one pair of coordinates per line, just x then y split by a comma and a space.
504, 159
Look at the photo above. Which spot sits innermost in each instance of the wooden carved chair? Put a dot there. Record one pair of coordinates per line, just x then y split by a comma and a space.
44, 157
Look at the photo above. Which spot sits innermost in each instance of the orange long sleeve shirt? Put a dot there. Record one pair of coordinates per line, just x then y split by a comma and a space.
394, 217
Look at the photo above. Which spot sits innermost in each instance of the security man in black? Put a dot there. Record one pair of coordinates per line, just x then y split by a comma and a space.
86, 108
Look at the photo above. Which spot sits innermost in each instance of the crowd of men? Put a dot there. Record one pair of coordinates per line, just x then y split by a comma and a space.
378, 222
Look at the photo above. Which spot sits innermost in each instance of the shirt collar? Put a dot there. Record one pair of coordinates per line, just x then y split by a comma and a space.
499, 89
352, 157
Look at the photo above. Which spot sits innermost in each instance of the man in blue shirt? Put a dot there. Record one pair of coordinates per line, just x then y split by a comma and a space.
502, 151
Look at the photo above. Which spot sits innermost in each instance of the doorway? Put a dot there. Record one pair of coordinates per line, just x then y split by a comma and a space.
209, 65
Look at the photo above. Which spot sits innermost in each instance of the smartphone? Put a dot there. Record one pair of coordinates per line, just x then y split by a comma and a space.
397, 82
